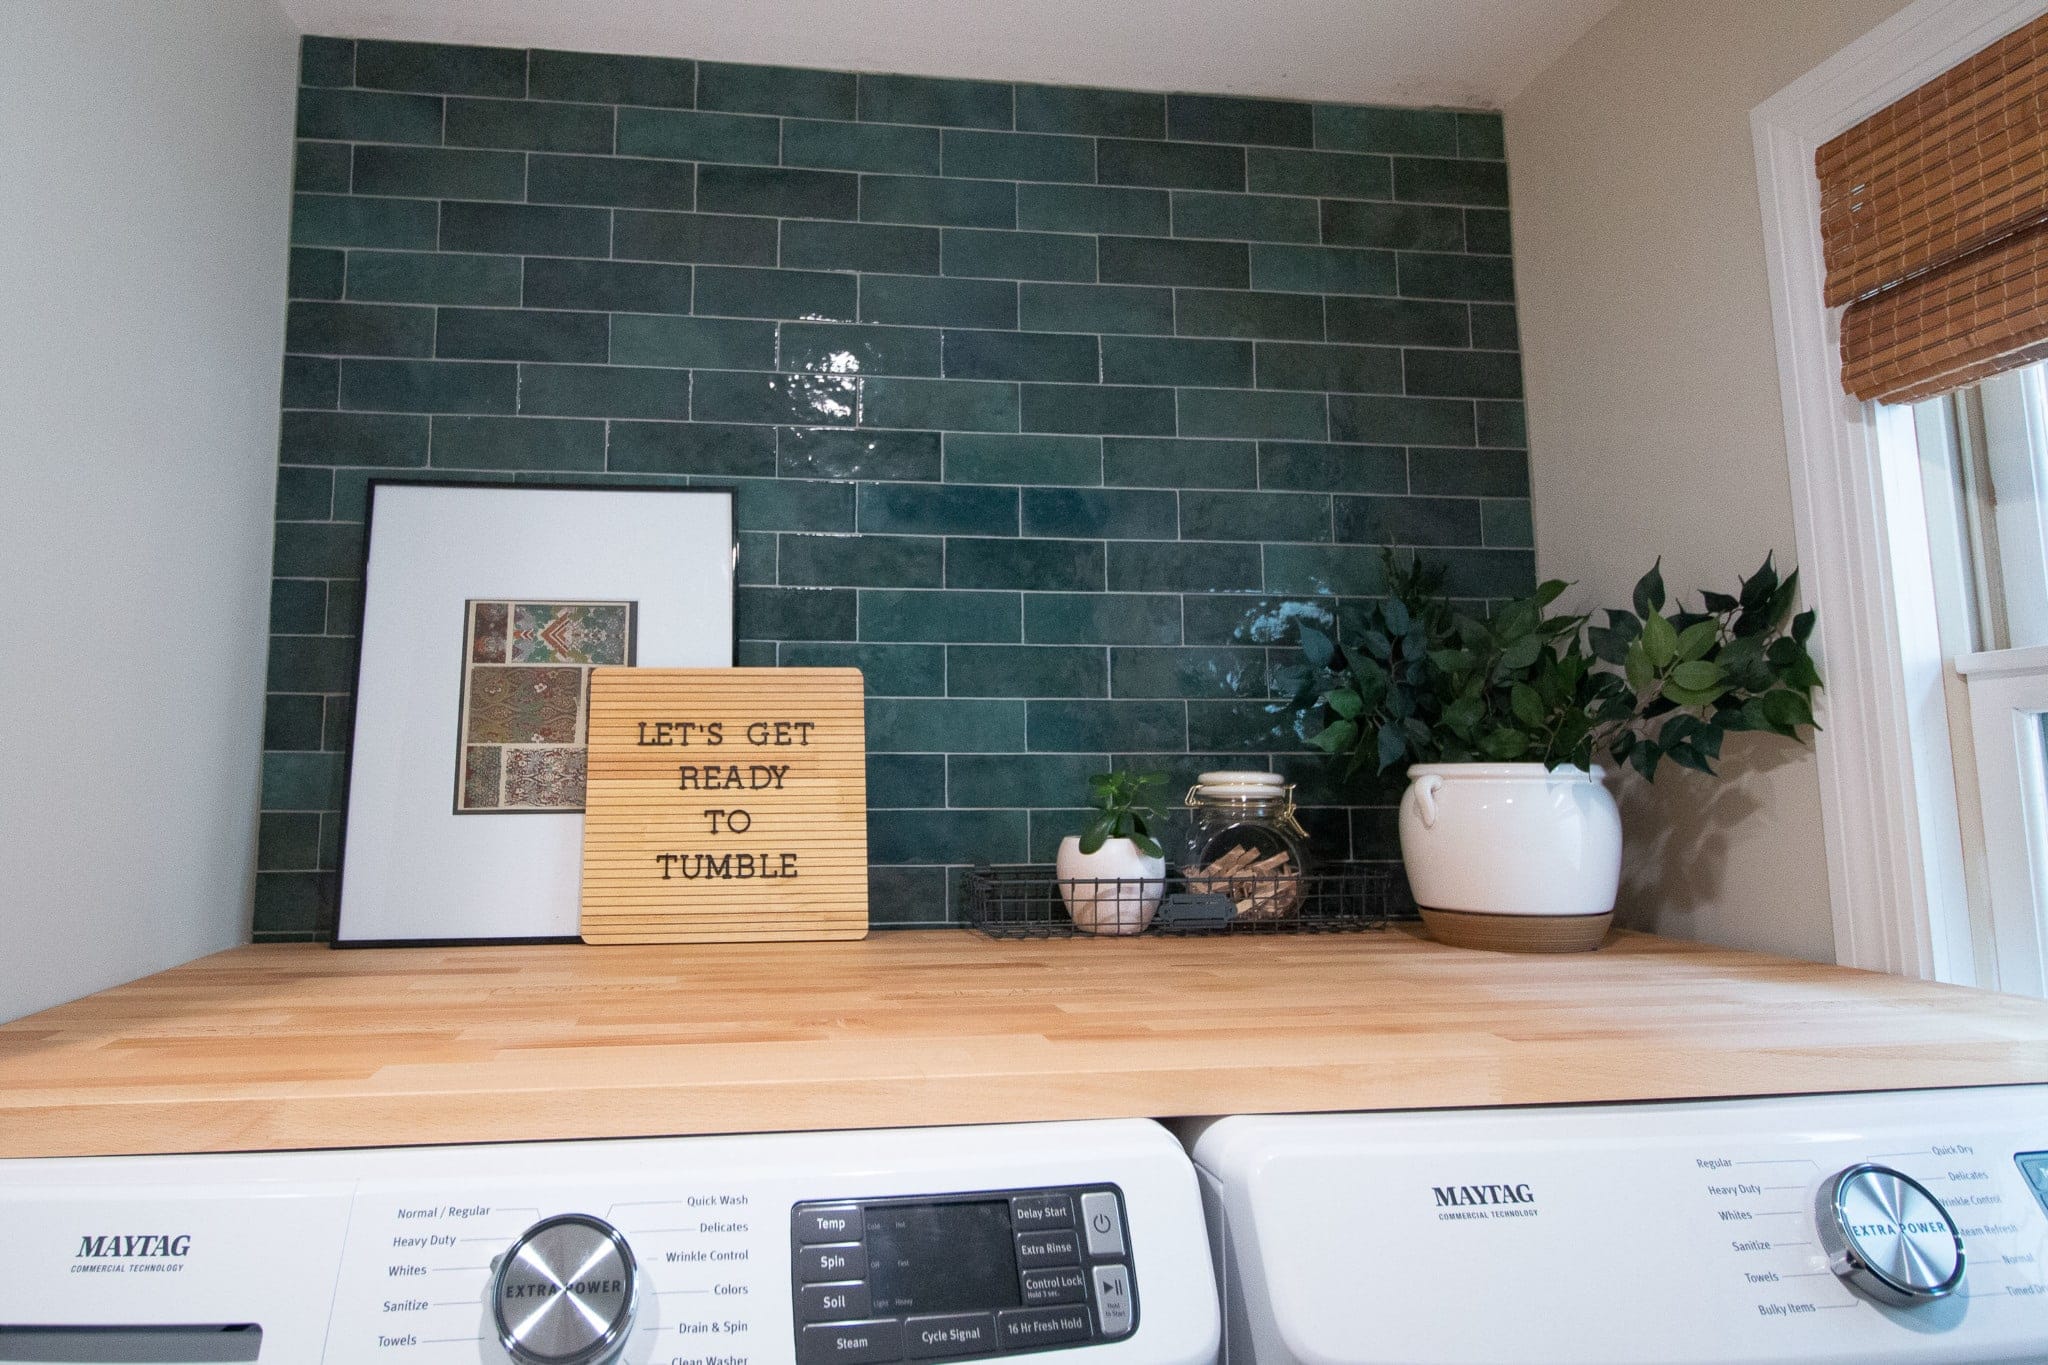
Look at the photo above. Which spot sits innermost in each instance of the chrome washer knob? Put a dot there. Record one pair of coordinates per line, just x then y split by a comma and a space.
1887, 1235
563, 1293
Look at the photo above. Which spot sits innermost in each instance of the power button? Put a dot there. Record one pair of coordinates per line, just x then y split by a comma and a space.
1103, 1224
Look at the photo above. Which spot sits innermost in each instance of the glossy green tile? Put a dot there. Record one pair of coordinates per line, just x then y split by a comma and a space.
1106, 409
1116, 513
317, 550
886, 670
1246, 313
1245, 217
317, 273
358, 329
947, 836
948, 404
1319, 467
1182, 566
523, 443
905, 781
439, 173
794, 505
1021, 355
755, 562
713, 238
1018, 156
938, 200
1224, 619
605, 391
822, 453
931, 302
1464, 374
1202, 672
1051, 828
1026, 671
344, 617
1487, 232
1408, 132
298, 606
690, 448
1104, 726
311, 663
751, 396
1442, 275
433, 277
1329, 175
441, 68
612, 182
1394, 227
608, 286
1009, 780
293, 907
1502, 424
1507, 522
940, 618
1095, 308
820, 245
795, 91
368, 116
929, 99
778, 193
998, 254
428, 386
1322, 269
1401, 421
327, 61
1160, 260
1173, 361
353, 438
301, 781
798, 613
611, 79
1169, 165
1226, 118
1433, 180
1469, 473
1254, 727
867, 561
983, 457
682, 135
1332, 369
1029, 565
1100, 113
337, 220
692, 343
1134, 463
1487, 573
1089, 208
860, 147
1408, 521
1397, 322
737, 291
1255, 516
933, 510
1102, 618
525, 229
304, 494
521, 334
910, 897
288, 842
1323, 571
320, 167
858, 348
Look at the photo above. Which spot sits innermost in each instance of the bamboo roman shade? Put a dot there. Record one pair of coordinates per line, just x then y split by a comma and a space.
1934, 221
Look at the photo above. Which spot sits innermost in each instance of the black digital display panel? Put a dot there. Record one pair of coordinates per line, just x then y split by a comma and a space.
942, 1258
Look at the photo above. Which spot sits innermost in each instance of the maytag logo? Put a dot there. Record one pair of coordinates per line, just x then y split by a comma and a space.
135, 1246
1470, 1196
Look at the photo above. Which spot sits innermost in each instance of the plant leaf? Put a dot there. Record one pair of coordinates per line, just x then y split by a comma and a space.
1526, 704
1336, 738
1319, 648
1345, 702
1393, 745
1660, 641
1695, 640
1649, 593
1697, 676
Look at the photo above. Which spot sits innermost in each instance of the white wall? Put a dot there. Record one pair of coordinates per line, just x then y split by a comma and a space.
145, 153
1653, 400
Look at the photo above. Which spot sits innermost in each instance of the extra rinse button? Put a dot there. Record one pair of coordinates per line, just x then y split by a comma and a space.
1103, 1223
1035, 1249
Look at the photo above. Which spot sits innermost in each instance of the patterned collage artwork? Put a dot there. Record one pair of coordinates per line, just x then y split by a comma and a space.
524, 699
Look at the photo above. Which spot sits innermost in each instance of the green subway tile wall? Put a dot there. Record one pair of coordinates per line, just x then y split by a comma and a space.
1053, 410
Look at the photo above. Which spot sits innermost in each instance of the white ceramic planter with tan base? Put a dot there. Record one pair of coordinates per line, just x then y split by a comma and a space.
1512, 856
1114, 890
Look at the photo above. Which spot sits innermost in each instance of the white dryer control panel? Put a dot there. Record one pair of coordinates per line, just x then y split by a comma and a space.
855, 1248
1875, 1228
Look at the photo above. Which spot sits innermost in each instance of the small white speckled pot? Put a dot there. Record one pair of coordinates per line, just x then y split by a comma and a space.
1100, 905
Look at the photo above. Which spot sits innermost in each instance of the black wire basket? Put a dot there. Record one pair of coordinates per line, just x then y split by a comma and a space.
1031, 900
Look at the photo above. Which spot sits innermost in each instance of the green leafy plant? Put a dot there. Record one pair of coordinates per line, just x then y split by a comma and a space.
1123, 804
1421, 683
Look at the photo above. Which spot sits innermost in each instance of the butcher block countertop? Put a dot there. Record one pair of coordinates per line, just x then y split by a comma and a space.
302, 1046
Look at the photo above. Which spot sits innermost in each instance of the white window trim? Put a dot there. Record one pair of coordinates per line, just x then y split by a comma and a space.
2008, 691
1894, 851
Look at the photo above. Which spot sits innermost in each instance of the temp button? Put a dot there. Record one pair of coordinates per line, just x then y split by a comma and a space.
835, 1223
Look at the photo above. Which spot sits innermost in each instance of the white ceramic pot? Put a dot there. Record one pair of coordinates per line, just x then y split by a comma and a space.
1512, 855
1114, 890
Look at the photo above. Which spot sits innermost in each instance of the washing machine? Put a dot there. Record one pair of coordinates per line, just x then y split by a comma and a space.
1869, 1228
1079, 1242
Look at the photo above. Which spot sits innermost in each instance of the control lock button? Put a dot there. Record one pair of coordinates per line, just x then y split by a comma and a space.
818, 1265
1022, 1328
1113, 1299
850, 1343
1103, 1223
952, 1334
1063, 1284
832, 1223
1047, 1248
833, 1302
1029, 1212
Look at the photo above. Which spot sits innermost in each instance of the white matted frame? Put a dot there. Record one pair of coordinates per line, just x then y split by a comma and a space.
413, 870
1895, 860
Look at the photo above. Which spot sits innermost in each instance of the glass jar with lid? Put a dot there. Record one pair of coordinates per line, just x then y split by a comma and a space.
1244, 843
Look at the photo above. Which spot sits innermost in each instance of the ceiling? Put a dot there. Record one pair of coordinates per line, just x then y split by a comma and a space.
1470, 53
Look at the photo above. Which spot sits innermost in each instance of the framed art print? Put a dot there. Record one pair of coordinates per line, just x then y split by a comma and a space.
485, 608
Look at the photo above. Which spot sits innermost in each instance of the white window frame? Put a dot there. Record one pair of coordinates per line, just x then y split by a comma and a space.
1889, 810
2008, 691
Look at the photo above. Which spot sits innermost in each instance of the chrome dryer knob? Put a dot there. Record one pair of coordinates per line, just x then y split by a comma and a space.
563, 1293
1888, 1236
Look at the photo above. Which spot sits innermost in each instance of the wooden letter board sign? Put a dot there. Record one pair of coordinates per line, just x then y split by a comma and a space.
725, 805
